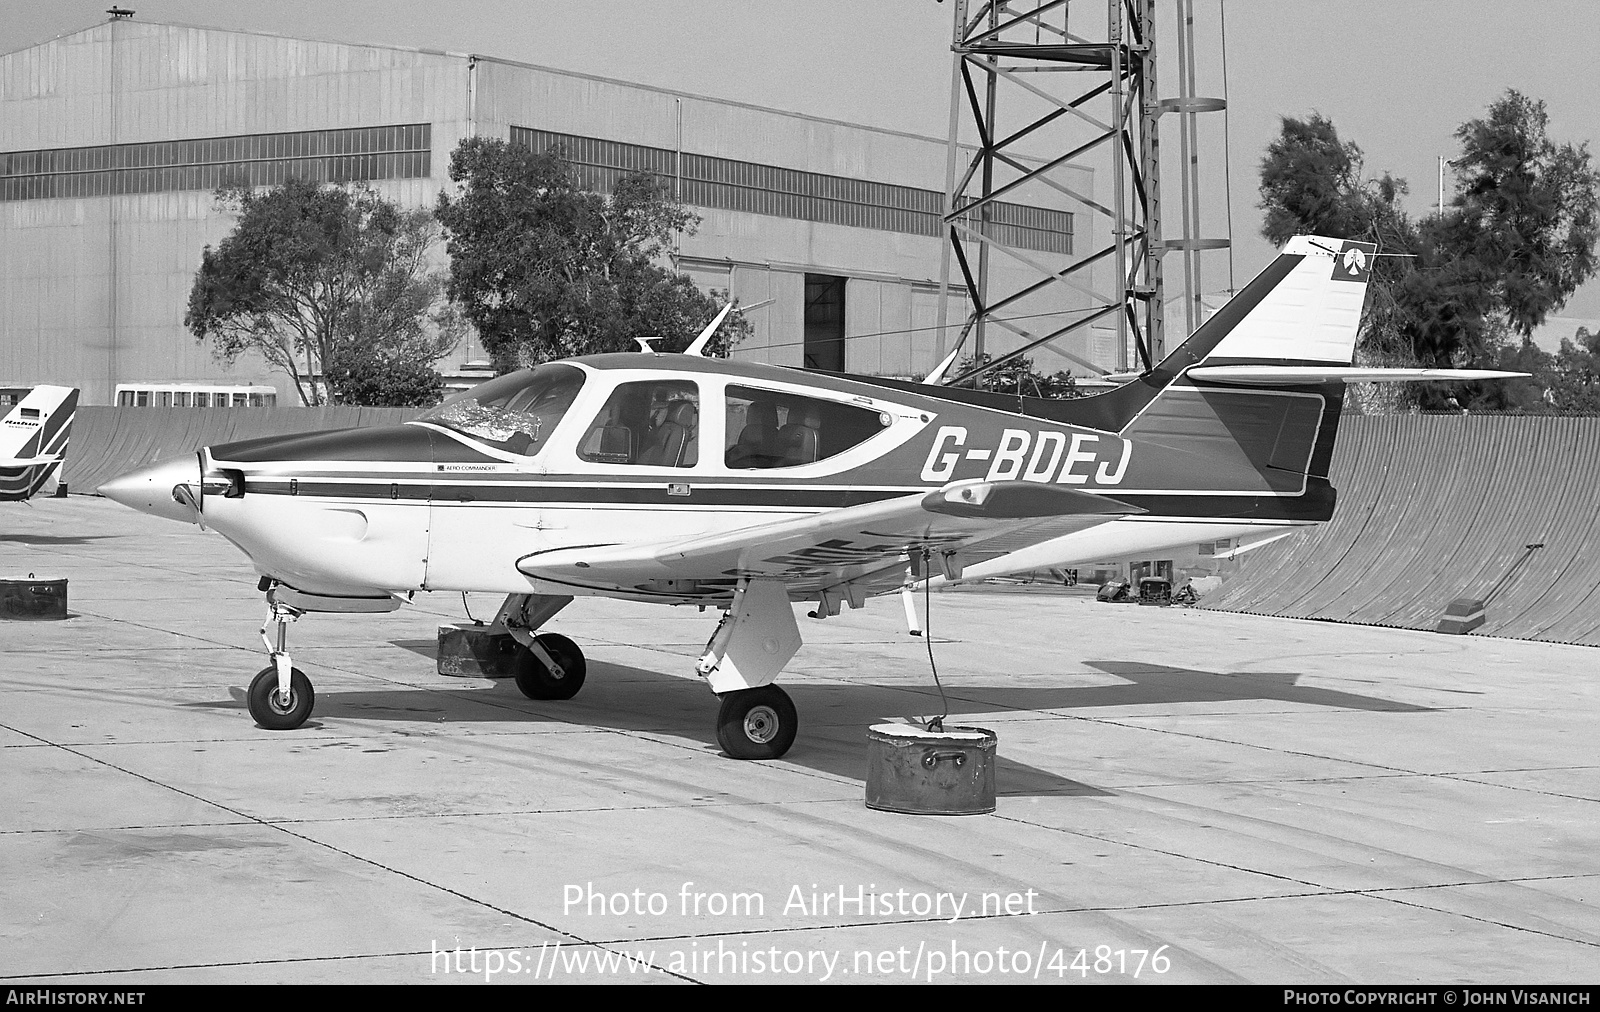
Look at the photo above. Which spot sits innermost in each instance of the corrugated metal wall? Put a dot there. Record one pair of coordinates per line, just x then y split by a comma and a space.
1433, 508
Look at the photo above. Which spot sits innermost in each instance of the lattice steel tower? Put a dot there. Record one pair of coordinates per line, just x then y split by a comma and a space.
1043, 88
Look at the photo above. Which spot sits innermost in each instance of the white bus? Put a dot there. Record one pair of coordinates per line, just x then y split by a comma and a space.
195, 395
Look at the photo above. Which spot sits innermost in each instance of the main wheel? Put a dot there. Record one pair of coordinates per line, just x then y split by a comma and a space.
757, 723
269, 711
538, 682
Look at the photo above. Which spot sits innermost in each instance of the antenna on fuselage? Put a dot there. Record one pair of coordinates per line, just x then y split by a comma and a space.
644, 344
697, 348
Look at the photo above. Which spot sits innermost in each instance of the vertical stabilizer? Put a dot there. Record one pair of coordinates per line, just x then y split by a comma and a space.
1303, 309
1312, 315
33, 440
1293, 331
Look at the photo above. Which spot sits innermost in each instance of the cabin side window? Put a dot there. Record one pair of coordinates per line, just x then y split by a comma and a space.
654, 423
767, 428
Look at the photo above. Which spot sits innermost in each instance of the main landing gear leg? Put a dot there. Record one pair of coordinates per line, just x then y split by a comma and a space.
756, 638
280, 696
549, 666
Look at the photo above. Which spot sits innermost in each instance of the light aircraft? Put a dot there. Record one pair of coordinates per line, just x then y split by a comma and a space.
685, 480
33, 440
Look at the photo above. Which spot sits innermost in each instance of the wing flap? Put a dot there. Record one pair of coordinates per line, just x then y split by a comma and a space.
875, 540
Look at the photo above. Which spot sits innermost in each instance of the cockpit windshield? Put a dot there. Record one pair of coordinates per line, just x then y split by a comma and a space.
516, 412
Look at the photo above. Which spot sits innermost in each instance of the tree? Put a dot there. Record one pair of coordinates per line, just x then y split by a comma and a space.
547, 270
1312, 183
1516, 241
373, 379
1525, 210
1573, 378
1018, 376
332, 286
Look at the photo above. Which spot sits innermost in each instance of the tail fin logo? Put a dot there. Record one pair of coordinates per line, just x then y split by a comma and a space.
1351, 264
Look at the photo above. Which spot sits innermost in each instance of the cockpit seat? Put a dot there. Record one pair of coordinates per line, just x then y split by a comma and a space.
800, 441
668, 444
758, 440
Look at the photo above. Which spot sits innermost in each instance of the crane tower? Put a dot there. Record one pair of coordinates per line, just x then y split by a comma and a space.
1039, 90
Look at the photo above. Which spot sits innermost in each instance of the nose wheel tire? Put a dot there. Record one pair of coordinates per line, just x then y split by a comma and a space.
757, 723
269, 710
538, 682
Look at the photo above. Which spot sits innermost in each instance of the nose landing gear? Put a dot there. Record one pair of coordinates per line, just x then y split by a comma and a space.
280, 696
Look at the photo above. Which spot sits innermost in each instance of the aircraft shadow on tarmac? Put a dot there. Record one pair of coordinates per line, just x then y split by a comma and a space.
1159, 683
833, 718
56, 539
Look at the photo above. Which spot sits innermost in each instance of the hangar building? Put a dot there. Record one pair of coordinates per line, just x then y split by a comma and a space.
113, 139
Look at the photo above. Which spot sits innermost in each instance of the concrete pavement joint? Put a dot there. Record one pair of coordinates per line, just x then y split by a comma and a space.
287, 960
1487, 920
1321, 890
1467, 778
328, 846
1312, 893
1251, 745
1398, 771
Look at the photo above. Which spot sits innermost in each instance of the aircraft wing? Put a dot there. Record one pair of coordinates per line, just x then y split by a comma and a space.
854, 552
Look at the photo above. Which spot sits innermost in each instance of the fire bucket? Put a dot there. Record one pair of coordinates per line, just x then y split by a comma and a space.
32, 599
476, 651
919, 772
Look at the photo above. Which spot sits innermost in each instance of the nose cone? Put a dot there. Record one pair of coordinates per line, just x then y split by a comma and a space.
149, 489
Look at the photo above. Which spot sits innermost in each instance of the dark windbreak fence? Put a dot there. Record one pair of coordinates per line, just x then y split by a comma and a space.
106, 442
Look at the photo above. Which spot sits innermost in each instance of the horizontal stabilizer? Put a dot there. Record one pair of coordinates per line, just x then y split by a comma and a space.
1278, 375
1251, 546
52, 458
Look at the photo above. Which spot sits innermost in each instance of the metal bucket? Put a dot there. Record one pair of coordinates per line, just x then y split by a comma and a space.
32, 599
918, 772
476, 651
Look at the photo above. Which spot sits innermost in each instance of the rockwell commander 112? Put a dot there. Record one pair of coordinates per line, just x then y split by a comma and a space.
686, 480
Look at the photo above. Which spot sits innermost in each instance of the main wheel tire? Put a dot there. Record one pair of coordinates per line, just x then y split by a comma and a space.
757, 723
537, 682
269, 711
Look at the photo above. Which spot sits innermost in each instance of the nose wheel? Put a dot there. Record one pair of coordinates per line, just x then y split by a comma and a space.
757, 723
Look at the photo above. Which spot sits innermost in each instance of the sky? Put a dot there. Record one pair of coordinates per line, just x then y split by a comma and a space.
1397, 77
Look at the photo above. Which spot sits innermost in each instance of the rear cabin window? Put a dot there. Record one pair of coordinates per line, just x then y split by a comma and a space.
771, 429
654, 423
